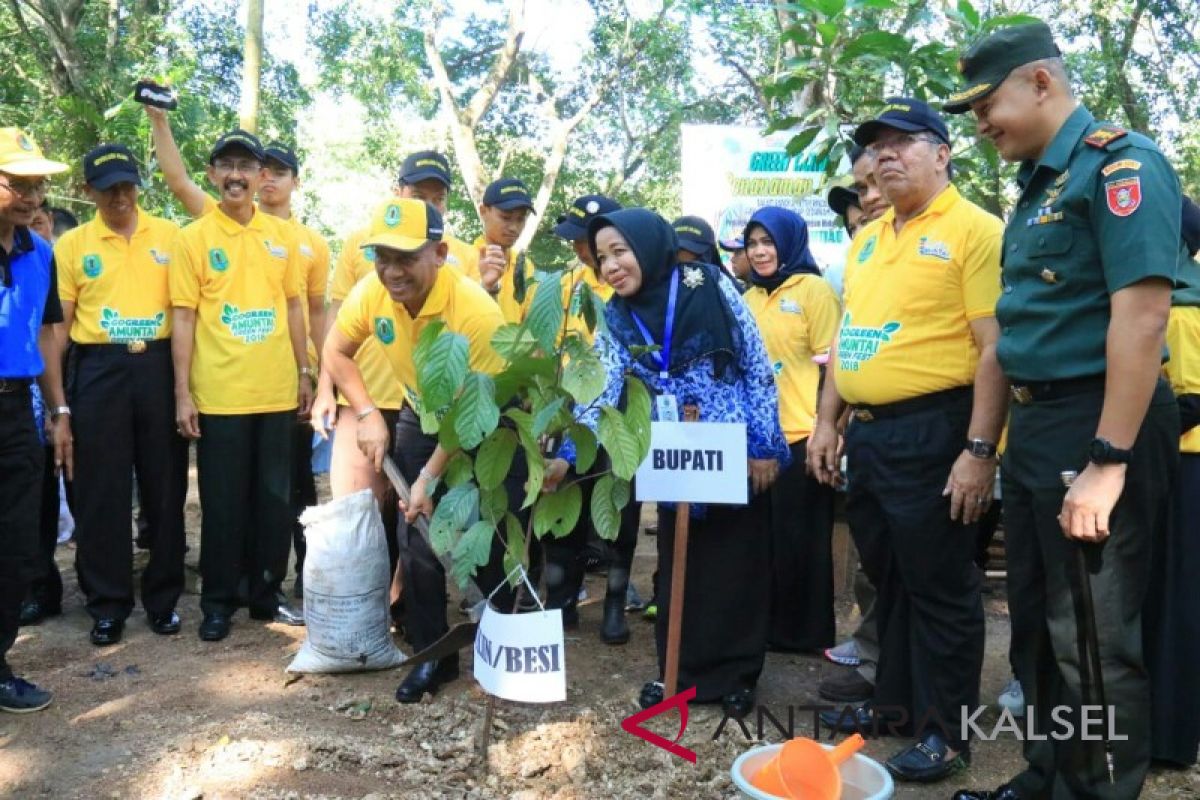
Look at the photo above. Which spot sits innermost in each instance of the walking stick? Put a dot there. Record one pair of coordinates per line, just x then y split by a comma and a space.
1091, 636
678, 576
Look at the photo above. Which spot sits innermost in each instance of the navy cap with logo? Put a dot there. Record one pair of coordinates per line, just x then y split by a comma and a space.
278, 151
507, 194
732, 245
695, 235
903, 114
424, 165
989, 61
573, 224
109, 164
237, 139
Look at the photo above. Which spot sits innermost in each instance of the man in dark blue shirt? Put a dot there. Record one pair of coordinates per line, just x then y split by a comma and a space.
29, 349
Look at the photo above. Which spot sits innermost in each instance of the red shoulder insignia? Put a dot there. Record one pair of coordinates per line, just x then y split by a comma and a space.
1104, 136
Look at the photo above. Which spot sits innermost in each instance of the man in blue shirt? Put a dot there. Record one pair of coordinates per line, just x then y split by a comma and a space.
29, 348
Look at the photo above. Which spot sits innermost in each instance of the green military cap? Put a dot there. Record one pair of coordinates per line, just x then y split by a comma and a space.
987, 63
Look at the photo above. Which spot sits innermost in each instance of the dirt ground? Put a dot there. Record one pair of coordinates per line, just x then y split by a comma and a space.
176, 718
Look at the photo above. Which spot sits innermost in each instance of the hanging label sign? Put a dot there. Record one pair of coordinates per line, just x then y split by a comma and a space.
520, 656
695, 462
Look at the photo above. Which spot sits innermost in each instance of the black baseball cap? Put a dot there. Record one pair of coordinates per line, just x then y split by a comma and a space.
695, 235
423, 165
573, 224
903, 114
988, 62
840, 199
109, 164
278, 151
507, 194
238, 138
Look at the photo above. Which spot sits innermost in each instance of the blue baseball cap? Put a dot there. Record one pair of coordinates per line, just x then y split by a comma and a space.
278, 151
903, 114
424, 165
109, 164
573, 224
507, 194
732, 245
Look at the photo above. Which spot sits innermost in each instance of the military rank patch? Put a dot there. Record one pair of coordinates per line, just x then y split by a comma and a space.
1125, 163
1102, 137
1124, 196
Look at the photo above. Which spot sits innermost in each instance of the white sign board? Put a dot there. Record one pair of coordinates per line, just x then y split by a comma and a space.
520, 656
730, 171
695, 462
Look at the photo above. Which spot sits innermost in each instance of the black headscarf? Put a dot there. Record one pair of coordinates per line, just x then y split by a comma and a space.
789, 232
704, 324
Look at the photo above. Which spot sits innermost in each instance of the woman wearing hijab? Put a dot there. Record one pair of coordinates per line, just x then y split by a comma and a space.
710, 357
798, 313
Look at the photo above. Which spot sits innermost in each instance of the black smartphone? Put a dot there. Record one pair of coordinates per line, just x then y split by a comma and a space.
152, 94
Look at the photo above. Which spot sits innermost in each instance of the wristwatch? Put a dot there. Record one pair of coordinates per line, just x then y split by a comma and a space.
1102, 451
981, 448
58, 411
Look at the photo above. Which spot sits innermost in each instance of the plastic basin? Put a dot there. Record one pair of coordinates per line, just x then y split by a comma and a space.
863, 778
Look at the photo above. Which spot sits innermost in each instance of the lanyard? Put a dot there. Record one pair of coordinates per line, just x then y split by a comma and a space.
663, 357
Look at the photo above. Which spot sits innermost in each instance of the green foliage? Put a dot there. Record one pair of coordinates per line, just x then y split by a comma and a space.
540, 408
77, 93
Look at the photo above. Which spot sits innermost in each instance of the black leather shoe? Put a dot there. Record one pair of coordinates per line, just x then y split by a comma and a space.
651, 694
33, 612
214, 627
613, 629
863, 719
107, 631
427, 677
164, 624
927, 761
284, 614
738, 704
846, 686
1005, 792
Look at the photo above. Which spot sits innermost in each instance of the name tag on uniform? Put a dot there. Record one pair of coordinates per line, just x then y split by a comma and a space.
668, 408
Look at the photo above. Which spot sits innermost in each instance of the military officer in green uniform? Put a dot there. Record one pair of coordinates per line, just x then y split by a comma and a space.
1090, 254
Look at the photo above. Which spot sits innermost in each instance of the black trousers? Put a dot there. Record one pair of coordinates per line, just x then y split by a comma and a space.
801, 568
723, 642
424, 576
244, 463
45, 579
304, 487
123, 421
1046, 438
565, 557
1171, 621
929, 609
21, 457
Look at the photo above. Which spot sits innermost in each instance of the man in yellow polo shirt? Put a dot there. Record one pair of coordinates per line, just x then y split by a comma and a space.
915, 357
411, 289
113, 283
241, 370
505, 272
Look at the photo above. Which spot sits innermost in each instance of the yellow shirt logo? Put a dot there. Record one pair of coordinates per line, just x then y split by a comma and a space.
859, 344
251, 326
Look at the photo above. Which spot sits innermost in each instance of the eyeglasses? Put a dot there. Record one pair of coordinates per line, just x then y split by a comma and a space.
241, 165
29, 189
897, 143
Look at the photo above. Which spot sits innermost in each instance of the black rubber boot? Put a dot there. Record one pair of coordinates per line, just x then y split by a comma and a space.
613, 629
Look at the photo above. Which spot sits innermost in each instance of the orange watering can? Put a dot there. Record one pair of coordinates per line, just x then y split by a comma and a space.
804, 770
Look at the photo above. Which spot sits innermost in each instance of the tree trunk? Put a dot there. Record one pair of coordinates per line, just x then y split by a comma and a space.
251, 66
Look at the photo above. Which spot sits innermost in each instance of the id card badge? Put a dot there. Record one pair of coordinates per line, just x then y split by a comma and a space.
668, 409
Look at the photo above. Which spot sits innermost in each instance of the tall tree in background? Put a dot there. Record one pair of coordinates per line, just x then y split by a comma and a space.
251, 66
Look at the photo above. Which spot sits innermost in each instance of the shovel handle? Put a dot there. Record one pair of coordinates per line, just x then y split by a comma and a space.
847, 749
401, 486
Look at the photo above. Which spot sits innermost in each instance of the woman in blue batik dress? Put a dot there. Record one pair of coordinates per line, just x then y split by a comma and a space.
714, 360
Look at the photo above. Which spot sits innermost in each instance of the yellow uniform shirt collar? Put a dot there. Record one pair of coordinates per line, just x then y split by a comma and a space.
143, 224
940, 205
439, 295
231, 226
